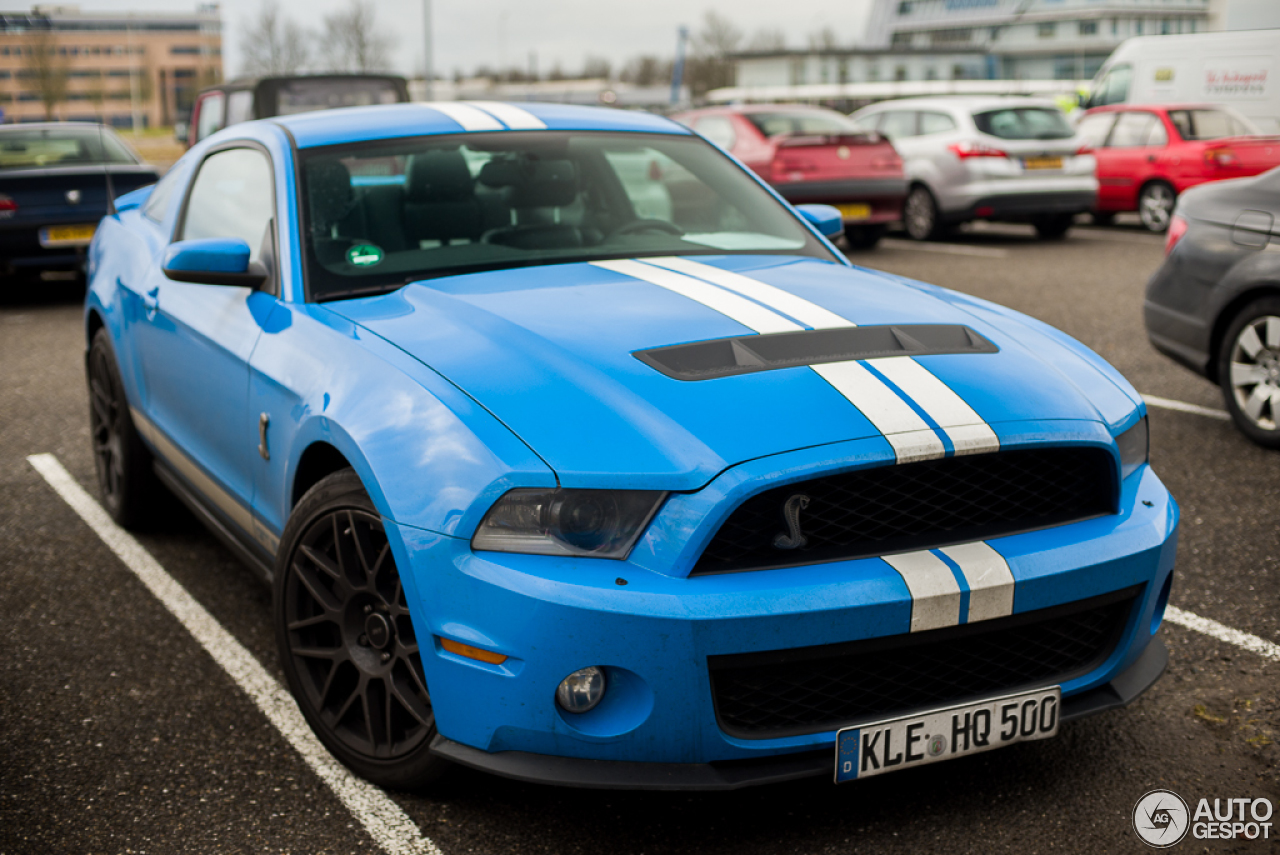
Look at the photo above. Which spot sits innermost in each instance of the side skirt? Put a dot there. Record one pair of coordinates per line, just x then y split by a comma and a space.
240, 545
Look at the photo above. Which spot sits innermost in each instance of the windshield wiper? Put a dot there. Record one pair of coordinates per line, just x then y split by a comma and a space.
370, 291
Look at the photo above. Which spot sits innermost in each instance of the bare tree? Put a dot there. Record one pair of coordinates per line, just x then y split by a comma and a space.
646, 71
596, 67
823, 39
710, 67
48, 68
766, 39
272, 43
352, 41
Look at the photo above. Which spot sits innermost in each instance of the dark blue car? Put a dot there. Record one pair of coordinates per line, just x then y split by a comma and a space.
575, 454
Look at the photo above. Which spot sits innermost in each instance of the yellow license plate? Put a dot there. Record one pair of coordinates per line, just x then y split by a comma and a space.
854, 212
1042, 162
66, 235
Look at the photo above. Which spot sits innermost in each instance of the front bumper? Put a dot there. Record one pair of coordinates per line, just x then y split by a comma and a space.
654, 630
884, 195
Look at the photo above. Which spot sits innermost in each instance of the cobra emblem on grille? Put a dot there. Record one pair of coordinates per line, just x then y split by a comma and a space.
791, 513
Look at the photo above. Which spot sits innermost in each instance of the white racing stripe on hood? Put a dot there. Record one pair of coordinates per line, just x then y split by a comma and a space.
969, 433
510, 115
935, 593
989, 578
911, 437
469, 117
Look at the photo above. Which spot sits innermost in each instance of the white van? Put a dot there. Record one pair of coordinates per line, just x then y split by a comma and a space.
1240, 68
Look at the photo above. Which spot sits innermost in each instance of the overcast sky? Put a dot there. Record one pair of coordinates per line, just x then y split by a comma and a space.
469, 33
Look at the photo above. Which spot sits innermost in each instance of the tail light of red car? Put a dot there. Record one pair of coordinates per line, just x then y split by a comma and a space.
7, 206
966, 150
888, 162
790, 167
1221, 156
1177, 228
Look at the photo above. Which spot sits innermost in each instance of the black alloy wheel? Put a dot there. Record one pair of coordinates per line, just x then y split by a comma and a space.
346, 640
1053, 226
1155, 206
920, 215
1249, 371
123, 463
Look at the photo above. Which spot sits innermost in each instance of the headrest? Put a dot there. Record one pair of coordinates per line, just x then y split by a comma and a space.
534, 183
329, 192
438, 176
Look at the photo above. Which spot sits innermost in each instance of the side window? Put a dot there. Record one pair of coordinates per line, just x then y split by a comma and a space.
1114, 88
867, 122
231, 197
209, 111
1093, 129
239, 106
718, 129
899, 124
158, 202
936, 123
1156, 134
1132, 130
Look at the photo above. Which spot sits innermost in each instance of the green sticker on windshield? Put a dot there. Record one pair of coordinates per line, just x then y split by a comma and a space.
364, 255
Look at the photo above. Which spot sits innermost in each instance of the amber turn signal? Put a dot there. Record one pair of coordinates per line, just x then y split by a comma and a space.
472, 652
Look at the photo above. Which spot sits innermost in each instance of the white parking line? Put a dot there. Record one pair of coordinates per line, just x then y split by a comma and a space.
386, 823
1180, 406
1222, 632
946, 248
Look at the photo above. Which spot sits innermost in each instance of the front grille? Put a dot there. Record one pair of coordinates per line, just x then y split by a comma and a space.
923, 505
812, 689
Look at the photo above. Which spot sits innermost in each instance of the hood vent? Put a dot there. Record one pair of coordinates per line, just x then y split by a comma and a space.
725, 357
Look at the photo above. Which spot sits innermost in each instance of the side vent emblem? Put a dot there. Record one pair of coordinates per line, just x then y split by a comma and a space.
793, 539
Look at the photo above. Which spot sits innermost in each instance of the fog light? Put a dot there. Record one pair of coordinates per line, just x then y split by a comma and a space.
581, 690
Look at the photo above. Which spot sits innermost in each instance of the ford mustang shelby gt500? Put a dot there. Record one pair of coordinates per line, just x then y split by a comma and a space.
576, 455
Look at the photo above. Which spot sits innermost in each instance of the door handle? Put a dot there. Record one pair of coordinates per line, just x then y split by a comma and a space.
151, 302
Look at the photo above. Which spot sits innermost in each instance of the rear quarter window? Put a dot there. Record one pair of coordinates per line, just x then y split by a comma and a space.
1024, 123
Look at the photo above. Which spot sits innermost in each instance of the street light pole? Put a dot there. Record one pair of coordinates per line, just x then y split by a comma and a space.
428, 74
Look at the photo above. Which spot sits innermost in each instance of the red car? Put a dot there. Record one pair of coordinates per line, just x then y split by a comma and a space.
1147, 155
814, 155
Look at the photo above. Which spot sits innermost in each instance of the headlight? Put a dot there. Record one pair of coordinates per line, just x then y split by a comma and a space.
595, 523
1134, 445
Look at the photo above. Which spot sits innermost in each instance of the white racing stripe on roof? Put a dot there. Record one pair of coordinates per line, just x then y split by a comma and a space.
967, 430
935, 593
989, 578
469, 117
749, 314
510, 115
805, 311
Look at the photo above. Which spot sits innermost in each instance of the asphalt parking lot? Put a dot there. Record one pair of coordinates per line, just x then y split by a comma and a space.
119, 733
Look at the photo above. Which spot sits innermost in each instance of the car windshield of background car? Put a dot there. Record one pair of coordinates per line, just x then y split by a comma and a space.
800, 122
380, 214
303, 96
27, 148
1209, 124
1024, 123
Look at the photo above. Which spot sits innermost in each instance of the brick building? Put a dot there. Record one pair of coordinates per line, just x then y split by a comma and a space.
129, 69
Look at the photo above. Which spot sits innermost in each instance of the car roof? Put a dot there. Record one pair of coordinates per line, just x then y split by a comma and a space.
965, 102
362, 124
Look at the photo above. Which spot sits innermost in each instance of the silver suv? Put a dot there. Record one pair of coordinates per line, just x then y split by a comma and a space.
1012, 159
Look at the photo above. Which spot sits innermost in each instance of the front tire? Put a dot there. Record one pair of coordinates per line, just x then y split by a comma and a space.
920, 215
346, 641
1155, 206
1249, 371
125, 477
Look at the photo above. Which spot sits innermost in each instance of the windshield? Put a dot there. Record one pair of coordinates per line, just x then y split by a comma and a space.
800, 122
303, 96
26, 148
1024, 123
381, 214
1209, 124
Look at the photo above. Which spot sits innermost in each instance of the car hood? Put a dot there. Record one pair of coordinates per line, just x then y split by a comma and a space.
550, 352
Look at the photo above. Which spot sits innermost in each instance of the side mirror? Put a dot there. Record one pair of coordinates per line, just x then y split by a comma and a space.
826, 219
213, 261
180, 132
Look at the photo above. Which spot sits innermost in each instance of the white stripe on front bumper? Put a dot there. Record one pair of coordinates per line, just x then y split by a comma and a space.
935, 593
989, 578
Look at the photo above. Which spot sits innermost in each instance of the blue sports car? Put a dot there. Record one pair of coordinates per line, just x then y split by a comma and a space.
574, 454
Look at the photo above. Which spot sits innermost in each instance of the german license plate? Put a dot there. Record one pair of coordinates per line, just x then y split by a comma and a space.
66, 236
917, 740
1042, 162
854, 212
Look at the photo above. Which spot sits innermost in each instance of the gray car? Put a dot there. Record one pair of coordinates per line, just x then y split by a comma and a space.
1010, 159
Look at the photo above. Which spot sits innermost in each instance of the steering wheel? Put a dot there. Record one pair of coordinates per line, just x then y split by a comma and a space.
646, 225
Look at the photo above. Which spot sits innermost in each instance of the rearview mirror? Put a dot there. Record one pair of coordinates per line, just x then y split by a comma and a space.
826, 219
213, 261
